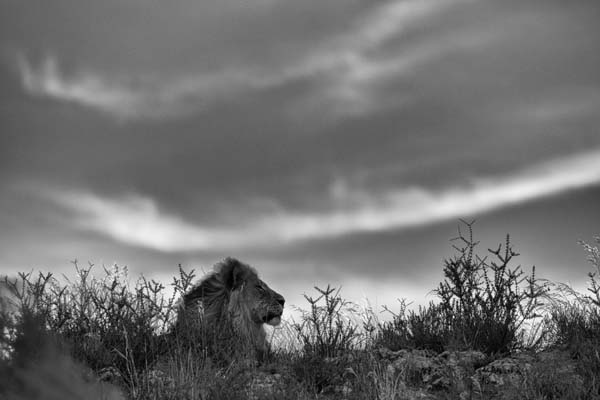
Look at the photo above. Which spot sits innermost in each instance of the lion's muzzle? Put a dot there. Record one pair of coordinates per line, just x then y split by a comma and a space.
273, 316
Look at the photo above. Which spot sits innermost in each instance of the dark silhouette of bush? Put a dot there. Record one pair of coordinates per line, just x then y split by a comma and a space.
483, 304
421, 329
325, 329
102, 322
575, 323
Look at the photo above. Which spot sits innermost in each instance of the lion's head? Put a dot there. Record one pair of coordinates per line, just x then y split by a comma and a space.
234, 294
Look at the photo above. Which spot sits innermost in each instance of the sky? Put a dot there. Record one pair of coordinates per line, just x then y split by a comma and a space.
323, 142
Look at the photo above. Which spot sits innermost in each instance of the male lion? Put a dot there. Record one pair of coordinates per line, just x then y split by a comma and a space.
233, 300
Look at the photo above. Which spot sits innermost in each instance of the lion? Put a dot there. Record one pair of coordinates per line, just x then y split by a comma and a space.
232, 299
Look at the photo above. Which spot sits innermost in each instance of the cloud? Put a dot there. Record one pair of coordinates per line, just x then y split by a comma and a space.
137, 220
414, 206
125, 98
349, 68
343, 64
86, 89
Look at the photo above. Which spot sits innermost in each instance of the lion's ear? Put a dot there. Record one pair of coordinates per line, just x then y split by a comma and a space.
233, 273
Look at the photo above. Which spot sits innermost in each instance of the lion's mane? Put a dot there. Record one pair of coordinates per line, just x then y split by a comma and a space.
217, 303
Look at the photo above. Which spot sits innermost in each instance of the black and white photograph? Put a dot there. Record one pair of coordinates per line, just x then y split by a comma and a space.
299, 199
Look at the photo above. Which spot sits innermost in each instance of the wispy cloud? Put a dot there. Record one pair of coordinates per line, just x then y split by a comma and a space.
126, 98
414, 206
86, 89
343, 63
348, 69
137, 220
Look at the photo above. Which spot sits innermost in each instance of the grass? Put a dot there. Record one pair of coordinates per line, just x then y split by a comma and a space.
495, 332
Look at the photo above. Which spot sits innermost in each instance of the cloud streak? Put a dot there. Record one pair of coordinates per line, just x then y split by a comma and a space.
136, 220
415, 206
87, 89
342, 64
122, 98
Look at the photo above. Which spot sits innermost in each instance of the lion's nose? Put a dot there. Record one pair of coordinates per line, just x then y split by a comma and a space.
281, 300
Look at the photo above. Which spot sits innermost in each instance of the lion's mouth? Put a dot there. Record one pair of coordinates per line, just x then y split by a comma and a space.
272, 319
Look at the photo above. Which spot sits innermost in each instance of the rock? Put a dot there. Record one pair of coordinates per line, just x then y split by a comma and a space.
465, 374
510, 370
265, 385
388, 355
343, 390
469, 358
436, 372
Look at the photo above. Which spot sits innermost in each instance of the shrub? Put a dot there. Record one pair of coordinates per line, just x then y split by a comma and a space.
396, 333
329, 337
325, 330
594, 282
483, 304
102, 322
575, 323
422, 329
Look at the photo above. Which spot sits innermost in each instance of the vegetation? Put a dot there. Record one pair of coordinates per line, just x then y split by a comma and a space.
495, 332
